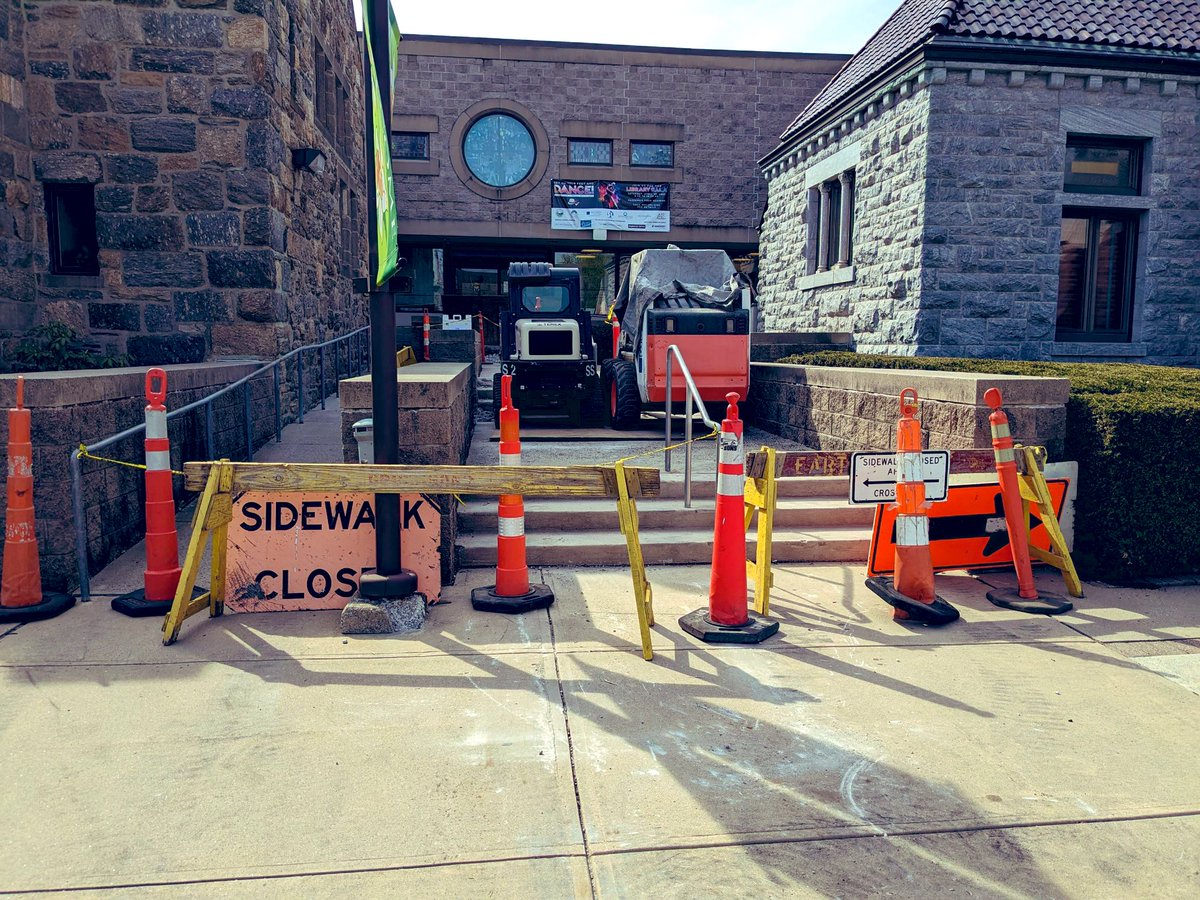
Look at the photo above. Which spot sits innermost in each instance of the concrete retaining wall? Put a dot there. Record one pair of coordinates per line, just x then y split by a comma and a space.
435, 402
87, 405
856, 409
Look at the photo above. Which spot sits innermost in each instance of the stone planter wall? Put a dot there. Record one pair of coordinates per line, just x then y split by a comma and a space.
435, 402
856, 409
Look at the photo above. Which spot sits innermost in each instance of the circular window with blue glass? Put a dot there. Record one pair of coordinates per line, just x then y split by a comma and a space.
499, 150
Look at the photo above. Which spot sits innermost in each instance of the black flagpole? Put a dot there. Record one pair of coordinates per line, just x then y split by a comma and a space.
388, 580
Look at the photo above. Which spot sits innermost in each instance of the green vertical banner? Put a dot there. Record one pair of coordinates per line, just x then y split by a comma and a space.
386, 224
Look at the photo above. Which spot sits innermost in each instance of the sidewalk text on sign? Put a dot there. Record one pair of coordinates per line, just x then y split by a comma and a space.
873, 476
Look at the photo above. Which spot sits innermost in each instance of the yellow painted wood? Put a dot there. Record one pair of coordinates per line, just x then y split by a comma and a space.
191, 560
1033, 482
765, 496
643, 594
529, 481
406, 356
219, 520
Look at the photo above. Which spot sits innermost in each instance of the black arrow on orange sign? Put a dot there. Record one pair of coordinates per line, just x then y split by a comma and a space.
952, 528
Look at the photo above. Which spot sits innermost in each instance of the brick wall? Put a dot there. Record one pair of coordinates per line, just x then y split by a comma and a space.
16, 278
731, 113
183, 119
828, 408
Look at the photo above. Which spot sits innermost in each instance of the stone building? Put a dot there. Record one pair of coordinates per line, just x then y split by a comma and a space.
483, 128
153, 193
998, 179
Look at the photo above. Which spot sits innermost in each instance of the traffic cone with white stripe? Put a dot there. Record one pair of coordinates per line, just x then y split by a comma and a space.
728, 619
1026, 598
161, 575
512, 592
425, 336
912, 593
21, 596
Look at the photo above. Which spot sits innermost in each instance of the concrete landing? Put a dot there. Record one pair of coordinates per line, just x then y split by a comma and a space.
539, 755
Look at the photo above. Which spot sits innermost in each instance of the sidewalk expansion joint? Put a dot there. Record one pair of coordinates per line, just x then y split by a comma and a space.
562, 699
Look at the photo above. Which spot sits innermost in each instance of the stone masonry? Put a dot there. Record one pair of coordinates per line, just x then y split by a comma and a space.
183, 114
958, 210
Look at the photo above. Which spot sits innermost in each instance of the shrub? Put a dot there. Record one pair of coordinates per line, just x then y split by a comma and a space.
55, 347
1134, 430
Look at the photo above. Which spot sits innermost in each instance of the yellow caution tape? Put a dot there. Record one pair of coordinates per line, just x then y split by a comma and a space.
84, 454
705, 437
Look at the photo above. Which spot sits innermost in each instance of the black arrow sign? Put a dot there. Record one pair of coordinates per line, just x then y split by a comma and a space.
893, 481
950, 528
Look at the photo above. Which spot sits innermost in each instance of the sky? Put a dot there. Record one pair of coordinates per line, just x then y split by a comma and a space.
799, 26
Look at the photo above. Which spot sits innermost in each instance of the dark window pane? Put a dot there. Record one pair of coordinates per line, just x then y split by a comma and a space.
1107, 168
499, 150
652, 153
477, 282
410, 145
71, 223
590, 153
547, 299
1112, 261
834, 235
1072, 273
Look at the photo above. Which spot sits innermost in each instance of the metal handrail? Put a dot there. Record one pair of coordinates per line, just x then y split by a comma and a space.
363, 358
674, 355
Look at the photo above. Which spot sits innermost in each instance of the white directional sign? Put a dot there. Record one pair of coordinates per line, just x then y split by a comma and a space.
873, 476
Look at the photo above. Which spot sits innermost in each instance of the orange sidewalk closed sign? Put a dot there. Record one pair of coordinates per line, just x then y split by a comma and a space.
966, 531
307, 550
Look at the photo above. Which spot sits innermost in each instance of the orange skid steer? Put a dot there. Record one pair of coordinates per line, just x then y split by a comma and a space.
692, 299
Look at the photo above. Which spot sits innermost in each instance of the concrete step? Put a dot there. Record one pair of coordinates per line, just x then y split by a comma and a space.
704, 485
559, 516
666, 547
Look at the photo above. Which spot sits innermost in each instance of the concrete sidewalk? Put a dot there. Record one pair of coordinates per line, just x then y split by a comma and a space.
540, 755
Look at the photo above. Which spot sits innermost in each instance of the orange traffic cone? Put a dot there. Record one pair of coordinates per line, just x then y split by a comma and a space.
425, 336
21, 595
1026, 598
161, 575
512, 592
912, 593
728, 619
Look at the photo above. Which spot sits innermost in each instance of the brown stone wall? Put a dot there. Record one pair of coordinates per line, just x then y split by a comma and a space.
16, 279
856, 409
183, 116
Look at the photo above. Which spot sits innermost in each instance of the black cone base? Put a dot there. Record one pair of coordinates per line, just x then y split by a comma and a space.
485, 599
373, 586
135, 605
937, 613
1044, 604
756, 629
52, 605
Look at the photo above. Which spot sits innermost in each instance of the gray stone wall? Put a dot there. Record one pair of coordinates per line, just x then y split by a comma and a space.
993, 213
16, 278
827, 408
958, 213
183, 117
881, 304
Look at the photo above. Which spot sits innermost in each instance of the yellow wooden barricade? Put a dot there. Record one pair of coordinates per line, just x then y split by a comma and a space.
762, 496
1034, 491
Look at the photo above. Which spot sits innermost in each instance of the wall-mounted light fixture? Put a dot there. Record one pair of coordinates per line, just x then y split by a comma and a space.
308, 158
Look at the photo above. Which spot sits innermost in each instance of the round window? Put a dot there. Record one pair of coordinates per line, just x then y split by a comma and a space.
499, 150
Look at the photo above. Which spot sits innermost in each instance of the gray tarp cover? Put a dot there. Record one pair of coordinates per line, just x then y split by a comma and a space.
675, 278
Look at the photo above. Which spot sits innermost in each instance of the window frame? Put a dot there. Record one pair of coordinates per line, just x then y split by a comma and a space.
1137, 148
637, 165
572, 141
53, 193
1093, 215
533, 141
422, 134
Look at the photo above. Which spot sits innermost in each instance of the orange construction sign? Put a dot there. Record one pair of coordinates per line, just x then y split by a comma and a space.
966, 531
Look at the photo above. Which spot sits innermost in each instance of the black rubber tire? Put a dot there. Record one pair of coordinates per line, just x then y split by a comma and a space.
595, 406
496, 399
625, 403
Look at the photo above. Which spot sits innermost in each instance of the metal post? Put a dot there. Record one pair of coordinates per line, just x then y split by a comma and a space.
81, 550
246, 417
687, 450
321, 363
209, 436
278, 401
667, 452
300, 387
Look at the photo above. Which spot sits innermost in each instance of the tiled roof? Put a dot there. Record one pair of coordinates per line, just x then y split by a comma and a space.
1144, 24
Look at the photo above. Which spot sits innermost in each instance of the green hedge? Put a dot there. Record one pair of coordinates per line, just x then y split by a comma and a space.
1135, 432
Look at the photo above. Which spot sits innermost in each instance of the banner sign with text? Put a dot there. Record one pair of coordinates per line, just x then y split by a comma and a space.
307, 550
386, 222
612, 205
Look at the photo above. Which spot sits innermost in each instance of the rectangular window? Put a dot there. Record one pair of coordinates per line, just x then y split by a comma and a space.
1103, 166
71, 223
1096, 275
479, 282
834, 235
659, 154
589, 153
830, 218
410, 145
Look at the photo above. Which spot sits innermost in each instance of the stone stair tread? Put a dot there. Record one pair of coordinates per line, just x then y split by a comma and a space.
585, 506
671, 536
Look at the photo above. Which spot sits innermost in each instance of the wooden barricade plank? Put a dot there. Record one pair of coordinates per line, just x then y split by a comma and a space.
836, 463
529, 481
